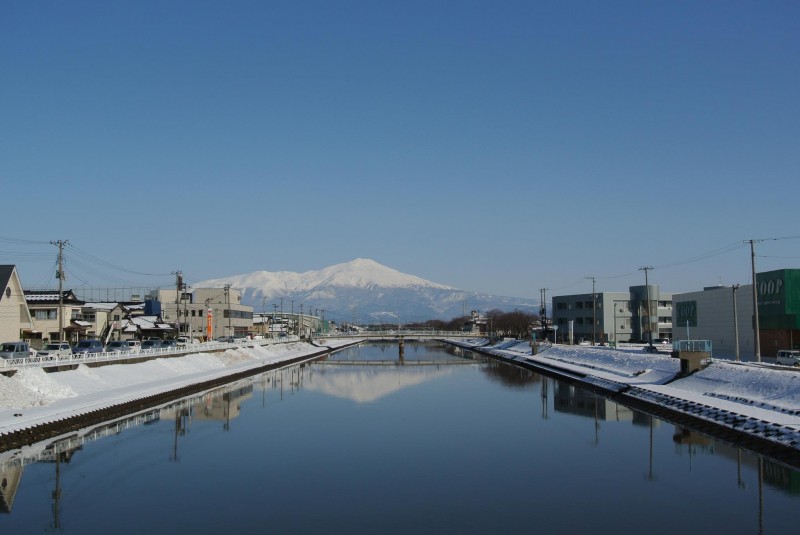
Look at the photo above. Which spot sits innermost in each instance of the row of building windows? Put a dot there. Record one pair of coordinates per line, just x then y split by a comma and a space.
234, 314
577, 305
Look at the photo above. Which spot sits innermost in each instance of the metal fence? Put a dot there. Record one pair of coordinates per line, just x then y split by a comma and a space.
53, 361
692, 345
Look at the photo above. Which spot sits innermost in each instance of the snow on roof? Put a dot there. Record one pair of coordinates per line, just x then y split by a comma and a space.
102, 306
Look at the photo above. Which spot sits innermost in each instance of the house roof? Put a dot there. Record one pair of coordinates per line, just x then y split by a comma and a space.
5, 277
50, 297
147, 323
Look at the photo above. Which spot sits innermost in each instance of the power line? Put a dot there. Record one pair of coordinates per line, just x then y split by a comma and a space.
23, 242
104, 263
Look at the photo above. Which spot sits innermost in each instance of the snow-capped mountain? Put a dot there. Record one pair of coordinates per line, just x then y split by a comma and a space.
362, 290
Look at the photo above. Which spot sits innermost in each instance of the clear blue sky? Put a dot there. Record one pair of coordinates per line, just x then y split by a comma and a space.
500, 147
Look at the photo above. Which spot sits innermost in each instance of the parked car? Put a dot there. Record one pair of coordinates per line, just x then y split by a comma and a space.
55, 350
227, 339
151, 344
116, 346
90, 345
185, 341
788, 357
135, 345
14, 350
169, 344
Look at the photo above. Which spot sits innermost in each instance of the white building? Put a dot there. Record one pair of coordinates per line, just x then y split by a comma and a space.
15, 318
635, 315
190, 311
709, 315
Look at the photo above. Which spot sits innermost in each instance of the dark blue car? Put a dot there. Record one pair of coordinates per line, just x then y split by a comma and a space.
87, 346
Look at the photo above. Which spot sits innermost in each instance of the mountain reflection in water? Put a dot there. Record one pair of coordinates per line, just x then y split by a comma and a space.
367, 441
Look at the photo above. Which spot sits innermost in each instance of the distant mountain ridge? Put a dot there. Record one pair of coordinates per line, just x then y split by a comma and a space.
362, 290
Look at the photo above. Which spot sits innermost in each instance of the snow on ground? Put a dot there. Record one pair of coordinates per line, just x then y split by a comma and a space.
33, 396
749, 388
760, 391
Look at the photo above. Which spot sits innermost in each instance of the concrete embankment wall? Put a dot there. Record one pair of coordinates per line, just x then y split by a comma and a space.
774, 440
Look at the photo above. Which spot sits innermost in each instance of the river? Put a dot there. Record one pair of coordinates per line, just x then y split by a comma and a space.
438, 441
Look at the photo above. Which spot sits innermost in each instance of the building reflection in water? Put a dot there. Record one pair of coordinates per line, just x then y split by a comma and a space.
364, 382
571, 399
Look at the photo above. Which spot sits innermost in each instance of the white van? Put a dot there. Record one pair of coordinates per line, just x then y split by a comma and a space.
788, 358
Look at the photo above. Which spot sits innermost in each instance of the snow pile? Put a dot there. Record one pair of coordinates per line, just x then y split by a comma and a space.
235, 356
31, 388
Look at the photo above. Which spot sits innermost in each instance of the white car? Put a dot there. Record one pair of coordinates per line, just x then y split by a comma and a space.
55, 350
788, 357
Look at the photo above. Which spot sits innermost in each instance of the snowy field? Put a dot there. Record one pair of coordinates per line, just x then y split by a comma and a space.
33, 396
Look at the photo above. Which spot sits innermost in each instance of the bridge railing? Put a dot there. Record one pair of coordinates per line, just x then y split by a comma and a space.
426, 333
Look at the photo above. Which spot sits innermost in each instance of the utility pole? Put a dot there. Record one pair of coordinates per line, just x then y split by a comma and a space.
649, 318
755, 299
228, 302
301, 320
543, 312
594, 310
736, 321
185, 309
178, 285
263, 313
60, 276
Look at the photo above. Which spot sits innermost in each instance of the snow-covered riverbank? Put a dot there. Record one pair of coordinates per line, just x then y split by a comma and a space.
33, 396
762, 393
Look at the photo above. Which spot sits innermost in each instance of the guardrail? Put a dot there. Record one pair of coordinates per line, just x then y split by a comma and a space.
54, 361
692, 345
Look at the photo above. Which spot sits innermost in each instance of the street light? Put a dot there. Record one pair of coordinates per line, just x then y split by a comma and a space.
649, 319
736, 321
594, 310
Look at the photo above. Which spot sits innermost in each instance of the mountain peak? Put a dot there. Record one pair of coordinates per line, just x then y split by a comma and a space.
363, 285
365, 273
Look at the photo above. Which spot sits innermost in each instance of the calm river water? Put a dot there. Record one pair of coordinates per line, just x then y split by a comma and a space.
443, 442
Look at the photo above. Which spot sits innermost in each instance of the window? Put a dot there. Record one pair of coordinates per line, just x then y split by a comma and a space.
238, 314
579, 304
588, 304
46, 314
561, 306
116, 317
